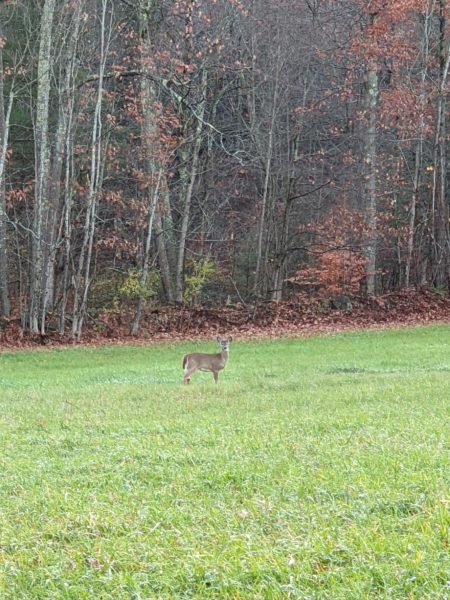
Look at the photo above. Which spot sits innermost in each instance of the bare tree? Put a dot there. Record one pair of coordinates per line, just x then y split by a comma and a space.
65, 96
190, 178
370, 172
418, 152
439, 206
5, 305
42, 160
82, 276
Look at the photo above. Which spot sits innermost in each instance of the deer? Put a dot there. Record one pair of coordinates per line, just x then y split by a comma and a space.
207, 362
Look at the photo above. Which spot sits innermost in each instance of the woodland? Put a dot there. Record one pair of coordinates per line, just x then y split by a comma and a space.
205, 154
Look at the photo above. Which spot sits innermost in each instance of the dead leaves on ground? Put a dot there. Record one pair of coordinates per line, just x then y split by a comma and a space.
300, 316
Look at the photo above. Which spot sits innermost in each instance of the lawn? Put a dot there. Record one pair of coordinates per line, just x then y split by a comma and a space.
317, 468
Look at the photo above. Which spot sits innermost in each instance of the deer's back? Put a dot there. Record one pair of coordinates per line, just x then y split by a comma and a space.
206, 362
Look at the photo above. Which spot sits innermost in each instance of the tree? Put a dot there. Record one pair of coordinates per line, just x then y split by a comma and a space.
36, 314
83, 273
5, 117
370, 161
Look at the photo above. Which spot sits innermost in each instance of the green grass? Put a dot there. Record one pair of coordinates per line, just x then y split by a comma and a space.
316, 469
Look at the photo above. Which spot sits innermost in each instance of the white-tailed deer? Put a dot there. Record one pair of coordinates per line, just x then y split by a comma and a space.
207, 362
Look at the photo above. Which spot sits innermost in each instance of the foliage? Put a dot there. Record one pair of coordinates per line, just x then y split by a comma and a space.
337, 261
302, 315
134, 288
316, 468
200, 272
105, 291
114, 291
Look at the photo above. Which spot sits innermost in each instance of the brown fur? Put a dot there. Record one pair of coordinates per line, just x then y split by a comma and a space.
206, 362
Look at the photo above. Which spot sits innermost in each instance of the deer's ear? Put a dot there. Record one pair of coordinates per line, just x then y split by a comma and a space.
230, 339
218, 339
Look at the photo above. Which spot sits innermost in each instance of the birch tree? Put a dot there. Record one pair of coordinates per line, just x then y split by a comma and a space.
5, 306
60, 152
267, 164
65, 155
42, 167
82, 279
370, 170
418, 152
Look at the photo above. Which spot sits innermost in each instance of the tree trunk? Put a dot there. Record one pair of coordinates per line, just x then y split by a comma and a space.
66, 116
5, 305
146, 256
150, 143
179, 278
265, 196
439, 208
418, 152
67, 224
60, 152
281, 254
163, 256
82, 279
150, 136
370, 175
36, 322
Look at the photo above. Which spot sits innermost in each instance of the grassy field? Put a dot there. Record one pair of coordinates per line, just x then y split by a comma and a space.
316, 469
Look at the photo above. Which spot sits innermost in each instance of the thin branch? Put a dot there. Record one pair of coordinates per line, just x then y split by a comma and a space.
167, 84
316, 189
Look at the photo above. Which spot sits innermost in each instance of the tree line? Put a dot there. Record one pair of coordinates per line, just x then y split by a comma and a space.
217, 151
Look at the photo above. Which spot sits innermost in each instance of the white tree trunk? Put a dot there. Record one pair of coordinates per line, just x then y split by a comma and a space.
82, 278
370, 176
265, 196
419, 146
5, 306
61, 151
42, 159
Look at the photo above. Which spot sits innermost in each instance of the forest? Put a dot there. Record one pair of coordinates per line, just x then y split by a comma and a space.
217, 152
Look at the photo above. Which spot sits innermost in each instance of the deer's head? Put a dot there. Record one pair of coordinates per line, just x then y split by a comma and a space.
224, 344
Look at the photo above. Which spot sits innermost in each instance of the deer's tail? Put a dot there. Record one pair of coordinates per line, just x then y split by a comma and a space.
185, 359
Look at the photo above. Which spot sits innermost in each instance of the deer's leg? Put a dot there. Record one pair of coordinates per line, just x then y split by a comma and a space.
187, 377
216, 376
